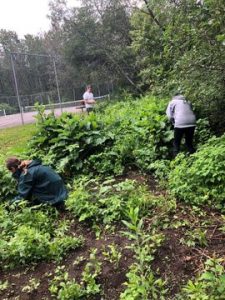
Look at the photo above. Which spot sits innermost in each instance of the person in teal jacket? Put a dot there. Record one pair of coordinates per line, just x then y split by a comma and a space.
37, 183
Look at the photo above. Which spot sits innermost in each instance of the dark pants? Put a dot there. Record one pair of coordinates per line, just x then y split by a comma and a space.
60, 206
188, 132
89, 109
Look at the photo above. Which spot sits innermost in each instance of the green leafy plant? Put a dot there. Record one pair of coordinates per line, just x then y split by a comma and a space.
210, 284
200, 178
108, 201
112, 254
142, 283
132, 133
64, 288
32, 285
7, 185
196, 237
3, 285
90, 274
29, 234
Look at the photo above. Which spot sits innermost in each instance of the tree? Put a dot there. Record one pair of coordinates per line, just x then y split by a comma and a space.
196, 44
98, 41
188, 53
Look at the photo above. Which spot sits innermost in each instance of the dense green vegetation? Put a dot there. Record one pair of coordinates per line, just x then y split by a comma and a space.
31, 234
11, 145
129, 133
200, 179
91, 151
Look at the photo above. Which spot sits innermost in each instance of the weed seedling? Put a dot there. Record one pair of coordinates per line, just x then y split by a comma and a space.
112, 254
32, 285
195, 237
3, 285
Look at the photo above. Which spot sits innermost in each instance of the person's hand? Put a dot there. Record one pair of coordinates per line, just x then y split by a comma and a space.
15, 201
91, 101
24, 164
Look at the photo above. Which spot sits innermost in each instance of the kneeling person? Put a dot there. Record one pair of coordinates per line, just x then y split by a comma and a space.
37, 183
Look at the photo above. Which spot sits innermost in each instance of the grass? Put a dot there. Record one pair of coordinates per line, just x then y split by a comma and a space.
13, 141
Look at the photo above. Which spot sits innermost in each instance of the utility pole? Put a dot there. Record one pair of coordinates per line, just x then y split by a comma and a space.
74, 94
57, 84
16, 87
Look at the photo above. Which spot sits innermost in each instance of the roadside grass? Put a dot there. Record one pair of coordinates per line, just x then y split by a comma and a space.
14, 141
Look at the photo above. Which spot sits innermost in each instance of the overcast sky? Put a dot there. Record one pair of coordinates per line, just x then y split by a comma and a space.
26, 16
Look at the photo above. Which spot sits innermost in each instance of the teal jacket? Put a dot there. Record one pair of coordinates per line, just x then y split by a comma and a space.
40, 184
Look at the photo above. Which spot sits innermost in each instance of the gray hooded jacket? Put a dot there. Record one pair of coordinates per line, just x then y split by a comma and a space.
181, 111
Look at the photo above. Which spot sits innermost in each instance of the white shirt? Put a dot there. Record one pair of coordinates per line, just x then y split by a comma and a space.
88, 96
181, 111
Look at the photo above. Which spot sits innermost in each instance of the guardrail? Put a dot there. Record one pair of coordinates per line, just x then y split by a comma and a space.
76, 103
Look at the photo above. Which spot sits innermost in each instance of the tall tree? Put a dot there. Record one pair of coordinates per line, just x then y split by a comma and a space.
188, 53
98, 41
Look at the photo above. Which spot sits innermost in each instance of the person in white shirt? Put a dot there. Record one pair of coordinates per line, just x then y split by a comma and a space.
180, 113
88, 98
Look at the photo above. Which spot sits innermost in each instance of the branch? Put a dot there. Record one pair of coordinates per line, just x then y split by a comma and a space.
153, 16
110, 57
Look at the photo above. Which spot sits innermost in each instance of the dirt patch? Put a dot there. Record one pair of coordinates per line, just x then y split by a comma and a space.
176, 262
111, 279
140, 178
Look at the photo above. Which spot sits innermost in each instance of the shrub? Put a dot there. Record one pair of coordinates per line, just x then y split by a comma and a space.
200, 178
210, 284
28, 234
7, 185
131, 133
108, 201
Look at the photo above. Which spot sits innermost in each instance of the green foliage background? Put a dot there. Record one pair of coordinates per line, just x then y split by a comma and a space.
128, 133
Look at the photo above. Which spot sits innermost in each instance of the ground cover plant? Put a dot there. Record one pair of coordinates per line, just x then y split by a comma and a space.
210, 284
31, 234
8, 189
200, 178
123, 235
108, 201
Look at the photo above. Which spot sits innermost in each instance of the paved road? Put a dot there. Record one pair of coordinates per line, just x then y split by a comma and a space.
15, 120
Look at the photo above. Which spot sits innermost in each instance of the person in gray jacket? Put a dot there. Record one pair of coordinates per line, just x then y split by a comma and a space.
180, 113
